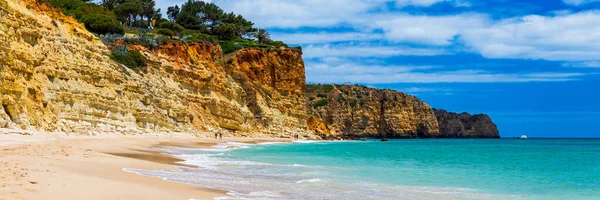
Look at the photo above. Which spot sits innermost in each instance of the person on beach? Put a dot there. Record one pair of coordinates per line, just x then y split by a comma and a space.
220, 135
216, 133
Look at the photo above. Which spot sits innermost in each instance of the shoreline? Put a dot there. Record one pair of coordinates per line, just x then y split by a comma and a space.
56, 166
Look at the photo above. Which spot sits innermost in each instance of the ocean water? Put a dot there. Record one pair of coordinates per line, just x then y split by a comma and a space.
398, 169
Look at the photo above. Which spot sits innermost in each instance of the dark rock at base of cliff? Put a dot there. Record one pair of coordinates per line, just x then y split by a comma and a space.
465, 125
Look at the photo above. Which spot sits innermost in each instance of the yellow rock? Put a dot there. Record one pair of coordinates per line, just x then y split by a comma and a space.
56, 76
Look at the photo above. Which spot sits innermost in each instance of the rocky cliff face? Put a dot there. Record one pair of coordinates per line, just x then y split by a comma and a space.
56, 76
464, 125
356, 111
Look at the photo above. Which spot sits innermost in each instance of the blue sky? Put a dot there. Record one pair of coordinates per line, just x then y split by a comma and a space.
532, 65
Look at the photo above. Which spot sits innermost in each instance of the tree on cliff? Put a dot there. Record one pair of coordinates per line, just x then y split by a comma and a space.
199, 15
172, 13
147, 10
240, 25
127, 12
210, 19
262, 36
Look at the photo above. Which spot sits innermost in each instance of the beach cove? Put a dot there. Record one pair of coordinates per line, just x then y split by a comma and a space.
178, 166
56, 166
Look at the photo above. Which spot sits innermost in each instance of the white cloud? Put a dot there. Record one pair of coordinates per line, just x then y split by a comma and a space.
591, 64
578, 2
325, 37
420, 3
375, 74
427, 3
428, 90
365, 50
566, 37
299, 13
430, 30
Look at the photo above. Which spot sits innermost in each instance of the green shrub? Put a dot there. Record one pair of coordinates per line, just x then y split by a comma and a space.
228, 46
75, 13
129, 58
161, 40
327, 88
160, 21
102, 24
297, 49
174, 27
137, 57
277, 44
165, 32
225, 31
196, 36
65, 4
124, 59
320, 103
92, 9
321, 95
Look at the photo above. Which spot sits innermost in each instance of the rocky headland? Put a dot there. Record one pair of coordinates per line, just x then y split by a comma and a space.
465, 125
356, 111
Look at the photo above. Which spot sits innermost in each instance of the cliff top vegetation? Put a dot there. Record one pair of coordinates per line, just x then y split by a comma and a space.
140, 22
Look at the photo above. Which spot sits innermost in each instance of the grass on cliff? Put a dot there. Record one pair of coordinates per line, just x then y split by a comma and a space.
129, 58
319, 103
313, 88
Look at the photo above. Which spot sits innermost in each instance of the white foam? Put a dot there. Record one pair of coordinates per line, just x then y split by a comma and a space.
312, 180
305, 141
246, 179
269, 143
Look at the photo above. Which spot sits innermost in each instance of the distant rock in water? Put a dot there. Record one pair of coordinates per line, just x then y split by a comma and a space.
465, 125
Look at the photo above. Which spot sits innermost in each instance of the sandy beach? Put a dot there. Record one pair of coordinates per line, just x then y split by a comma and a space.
55, 166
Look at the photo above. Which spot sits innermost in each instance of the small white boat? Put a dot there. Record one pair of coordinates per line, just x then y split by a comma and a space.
523, 136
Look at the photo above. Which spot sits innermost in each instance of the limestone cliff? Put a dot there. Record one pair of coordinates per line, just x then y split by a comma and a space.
56, 76
464, 125
357, 111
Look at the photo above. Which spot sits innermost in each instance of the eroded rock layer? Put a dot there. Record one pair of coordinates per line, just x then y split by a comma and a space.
56, 76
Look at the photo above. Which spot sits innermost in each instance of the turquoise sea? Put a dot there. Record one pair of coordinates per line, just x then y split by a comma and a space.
398, 169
